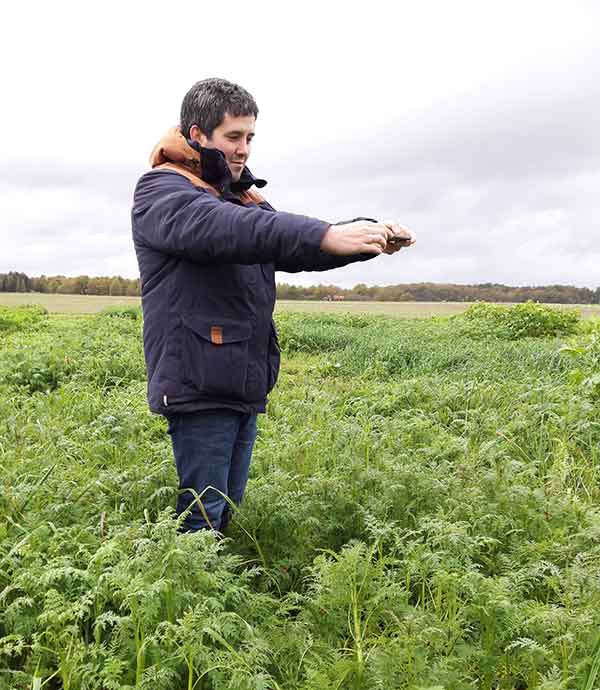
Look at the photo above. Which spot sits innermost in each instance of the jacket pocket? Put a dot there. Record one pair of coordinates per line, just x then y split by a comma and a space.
215, 355
274, 359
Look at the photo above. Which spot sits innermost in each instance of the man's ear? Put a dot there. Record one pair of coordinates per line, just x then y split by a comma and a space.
198, 135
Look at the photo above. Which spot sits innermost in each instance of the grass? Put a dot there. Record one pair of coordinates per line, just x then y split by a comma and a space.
422, 512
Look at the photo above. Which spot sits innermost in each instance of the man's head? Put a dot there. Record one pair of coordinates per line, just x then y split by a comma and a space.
219, 114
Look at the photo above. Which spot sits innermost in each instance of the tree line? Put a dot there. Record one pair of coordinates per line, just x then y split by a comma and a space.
442, 292
407, 292
78, 285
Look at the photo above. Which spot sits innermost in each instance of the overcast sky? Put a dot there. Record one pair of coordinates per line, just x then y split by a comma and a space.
474, 123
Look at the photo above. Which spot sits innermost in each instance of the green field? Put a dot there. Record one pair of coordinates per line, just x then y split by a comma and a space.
422, 512
90, 304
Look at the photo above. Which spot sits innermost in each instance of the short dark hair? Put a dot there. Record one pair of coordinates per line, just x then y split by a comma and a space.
206, 103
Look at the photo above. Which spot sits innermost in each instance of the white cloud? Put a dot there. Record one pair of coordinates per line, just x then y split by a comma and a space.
471, 122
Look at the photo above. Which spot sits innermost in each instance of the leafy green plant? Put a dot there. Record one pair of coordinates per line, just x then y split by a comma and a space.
526, 320
121, 312
33, 370
19, 318
587, 354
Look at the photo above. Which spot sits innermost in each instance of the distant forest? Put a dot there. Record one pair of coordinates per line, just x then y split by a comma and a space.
408, 292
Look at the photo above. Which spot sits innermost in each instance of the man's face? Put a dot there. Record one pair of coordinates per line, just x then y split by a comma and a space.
233, 137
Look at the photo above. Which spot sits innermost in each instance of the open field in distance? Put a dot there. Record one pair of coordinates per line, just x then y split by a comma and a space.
405, 309
89, 304
66, 304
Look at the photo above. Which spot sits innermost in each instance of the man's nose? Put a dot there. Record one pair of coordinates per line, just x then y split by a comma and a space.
243, 148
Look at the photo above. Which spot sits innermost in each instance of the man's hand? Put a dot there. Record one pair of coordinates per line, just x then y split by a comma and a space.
401, 237
359, 237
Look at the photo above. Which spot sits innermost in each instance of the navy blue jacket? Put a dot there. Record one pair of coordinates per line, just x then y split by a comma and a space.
207, 267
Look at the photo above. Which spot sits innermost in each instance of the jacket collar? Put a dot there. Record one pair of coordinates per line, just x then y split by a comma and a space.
208, 164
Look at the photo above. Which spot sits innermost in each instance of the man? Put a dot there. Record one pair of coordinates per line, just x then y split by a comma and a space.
208, 246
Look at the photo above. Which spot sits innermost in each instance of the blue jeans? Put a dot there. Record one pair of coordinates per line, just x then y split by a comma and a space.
212, 449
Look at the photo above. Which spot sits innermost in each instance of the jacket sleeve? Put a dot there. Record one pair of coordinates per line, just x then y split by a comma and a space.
172, 216
324, 261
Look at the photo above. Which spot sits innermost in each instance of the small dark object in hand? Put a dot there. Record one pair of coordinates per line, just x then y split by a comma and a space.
398, 239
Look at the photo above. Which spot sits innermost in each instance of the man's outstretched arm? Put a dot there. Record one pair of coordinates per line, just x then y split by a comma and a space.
170, 215
325, 261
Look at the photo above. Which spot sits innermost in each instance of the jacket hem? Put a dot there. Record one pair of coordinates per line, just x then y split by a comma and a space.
188, 406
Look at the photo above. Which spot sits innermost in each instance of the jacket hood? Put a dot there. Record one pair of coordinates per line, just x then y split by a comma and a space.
209, 165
